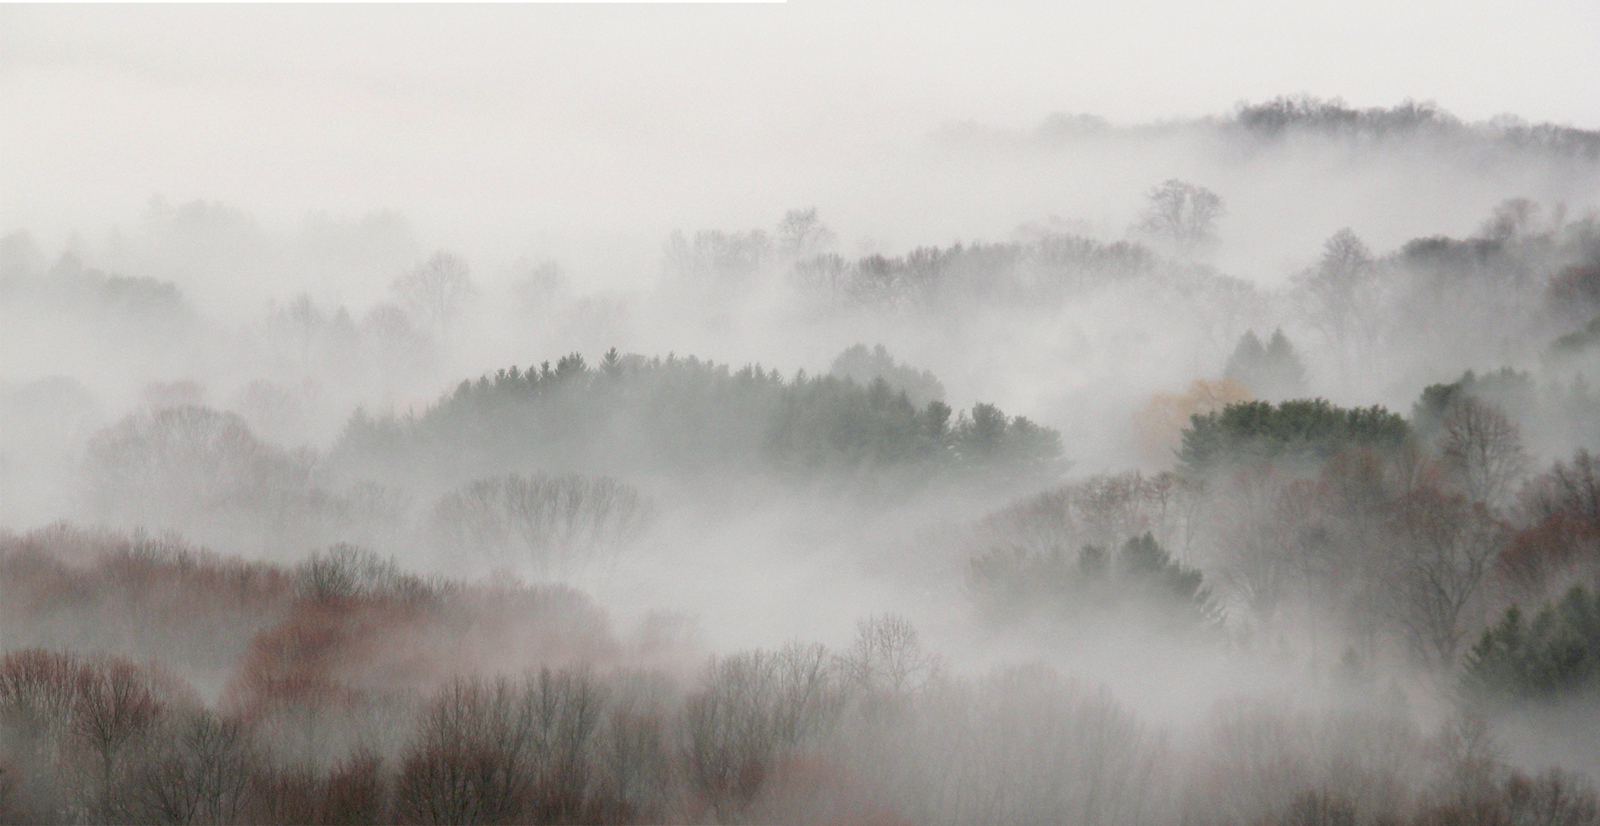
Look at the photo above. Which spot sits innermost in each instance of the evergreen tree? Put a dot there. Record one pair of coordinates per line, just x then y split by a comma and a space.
1293, 432
1273, 371
684, 414
1555, 655
1141, 580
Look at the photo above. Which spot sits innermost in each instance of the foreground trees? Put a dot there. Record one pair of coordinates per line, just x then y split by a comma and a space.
502, 752
876, 733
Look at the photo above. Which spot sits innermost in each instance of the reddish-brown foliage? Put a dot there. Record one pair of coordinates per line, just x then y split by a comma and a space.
814, 789
1538, 555
64, 587
352, 792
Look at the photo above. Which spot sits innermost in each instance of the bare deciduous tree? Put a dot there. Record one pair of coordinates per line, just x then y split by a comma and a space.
730, 745
888, 658
1182, 214
557, 523
436, 289
801, 234
498, 752
567, 708
756, 709
116, 710
713, 258
469, 762
1446, 545
1484, 449
1341, 298
199, 772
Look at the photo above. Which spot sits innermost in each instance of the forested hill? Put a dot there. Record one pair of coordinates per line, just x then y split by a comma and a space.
686, 415
1285, 118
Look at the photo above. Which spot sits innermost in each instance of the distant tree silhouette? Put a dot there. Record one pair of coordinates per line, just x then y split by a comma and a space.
1140, 580
887, 658
1273, 371
435, 290
755, 710
556, 523
1342, 298
1182, 214
864, 366
801, 234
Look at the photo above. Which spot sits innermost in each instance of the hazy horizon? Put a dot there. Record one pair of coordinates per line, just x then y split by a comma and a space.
593, 130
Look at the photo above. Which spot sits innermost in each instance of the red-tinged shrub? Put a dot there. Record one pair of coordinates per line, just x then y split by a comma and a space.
206, 606
293, 662
286, 795
1552, 797
1562, 539
42, 601
38, 695
544, 624
356, 792
310, 682
135, 596
351, 792
1541, 556
64, 541
814, 790
9, 810
418, 644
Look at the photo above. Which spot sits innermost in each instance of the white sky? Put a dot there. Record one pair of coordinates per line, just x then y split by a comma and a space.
491, 119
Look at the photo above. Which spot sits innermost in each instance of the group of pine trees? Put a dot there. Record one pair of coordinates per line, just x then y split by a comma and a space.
690, 415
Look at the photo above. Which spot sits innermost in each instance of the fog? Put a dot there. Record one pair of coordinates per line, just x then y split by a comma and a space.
805, 413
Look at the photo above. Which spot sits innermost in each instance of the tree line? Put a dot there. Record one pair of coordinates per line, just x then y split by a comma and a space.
313, 726
689, 415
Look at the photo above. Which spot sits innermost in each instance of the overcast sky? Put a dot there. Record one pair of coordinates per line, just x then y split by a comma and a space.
515, 114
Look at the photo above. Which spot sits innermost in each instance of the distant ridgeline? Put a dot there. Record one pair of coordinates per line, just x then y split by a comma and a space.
1309, 114
685, 415
1286, 117
1297, 431
1043, 268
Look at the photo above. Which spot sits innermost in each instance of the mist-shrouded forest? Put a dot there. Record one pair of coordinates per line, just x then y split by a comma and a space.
1232, 469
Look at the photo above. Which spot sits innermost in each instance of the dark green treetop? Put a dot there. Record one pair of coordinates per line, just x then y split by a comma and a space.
1296, 431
